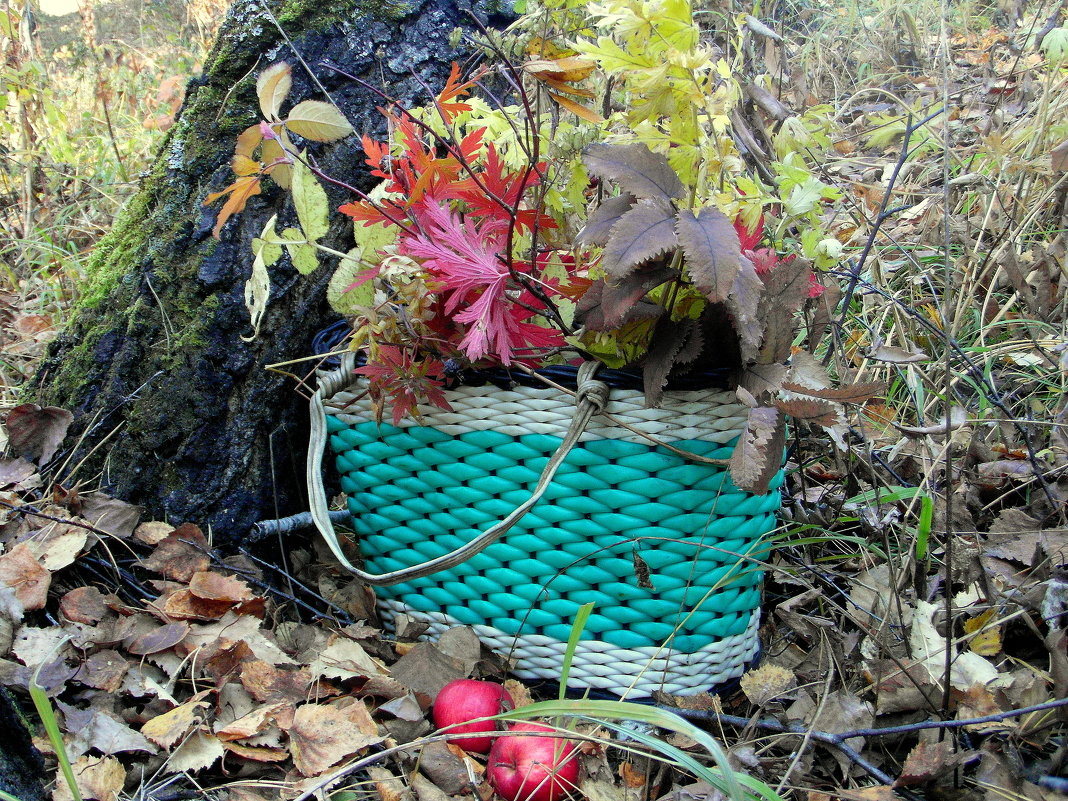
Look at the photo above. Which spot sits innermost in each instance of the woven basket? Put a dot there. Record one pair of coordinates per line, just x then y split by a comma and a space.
666, 547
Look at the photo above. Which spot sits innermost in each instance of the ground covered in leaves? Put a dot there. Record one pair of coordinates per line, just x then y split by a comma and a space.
899, 660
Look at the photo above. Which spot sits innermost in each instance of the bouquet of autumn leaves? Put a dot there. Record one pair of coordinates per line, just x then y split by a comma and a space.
464, 259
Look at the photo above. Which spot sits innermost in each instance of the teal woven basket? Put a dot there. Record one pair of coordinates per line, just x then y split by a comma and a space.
663, 544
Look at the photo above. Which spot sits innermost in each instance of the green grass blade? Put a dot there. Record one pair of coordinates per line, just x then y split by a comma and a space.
603, 711
581, 617
8, 797
923, 530
48, 718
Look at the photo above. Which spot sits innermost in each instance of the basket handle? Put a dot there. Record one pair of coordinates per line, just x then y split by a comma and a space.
590, 399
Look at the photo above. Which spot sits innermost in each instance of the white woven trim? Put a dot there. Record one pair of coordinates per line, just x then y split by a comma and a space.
709, 415
627, 672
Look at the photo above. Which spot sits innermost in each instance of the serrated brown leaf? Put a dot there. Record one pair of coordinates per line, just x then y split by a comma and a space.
713, 252
36, 432
763, 380
668, 340
644, 232
767, 683
600, 224
854, 393
270, 684
180, 555
250, 724
758, 455
925, 762
744, 306
23, 573
321, 736
814, 411
606, 307
159, 639
636, 169
786, 287
184, 605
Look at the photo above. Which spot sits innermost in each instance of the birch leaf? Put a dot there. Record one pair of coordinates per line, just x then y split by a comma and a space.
318, 121
272, 87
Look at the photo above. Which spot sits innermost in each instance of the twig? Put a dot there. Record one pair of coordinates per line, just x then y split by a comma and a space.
287, 525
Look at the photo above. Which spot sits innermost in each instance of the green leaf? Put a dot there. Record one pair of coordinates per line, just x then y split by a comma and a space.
309, 199
318, 121
301, 251
344, 301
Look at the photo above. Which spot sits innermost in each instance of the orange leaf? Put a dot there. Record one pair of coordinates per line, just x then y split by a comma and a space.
577, 109
239, 192
243, 165
248, 140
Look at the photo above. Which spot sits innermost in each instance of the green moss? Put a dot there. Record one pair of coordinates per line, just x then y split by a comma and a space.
113, 257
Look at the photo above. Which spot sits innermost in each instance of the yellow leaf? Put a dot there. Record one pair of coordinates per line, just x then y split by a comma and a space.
318, 121
248, 140
281, 172
243, 165
987, 639
578, 109
272, 87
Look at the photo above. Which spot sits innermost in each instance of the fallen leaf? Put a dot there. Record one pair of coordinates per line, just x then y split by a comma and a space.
116, 517
99, 778
425, 669
15, 471
199, 751
344, 659
83, 605
22, 572
958, 417
217, 587
91, 728
270, 684
894, 355
37, 431
987, 638
104, 670
766, 683
159, 639
167, 729
180, 555
321, 736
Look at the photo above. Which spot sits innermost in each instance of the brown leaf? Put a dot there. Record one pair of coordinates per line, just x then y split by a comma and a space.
815, 411
84, 605
605, 307
36, 432
91, 728
646, 231
444, 768
104, 670
758, 455
153, 532
635, 168
159, 639
257, 753
270, 684
854, 393
199, 751
167, 729
669, 337
343, 658
713, 253
387, 786
744, 306
1059, 157
20, 570
462, 644
181, 554
321, 736
603, 219
425, 669
217, 587
184, 605
251, 724
958, 417
99, 778
116, 517
891, 354
929, 763
15, 471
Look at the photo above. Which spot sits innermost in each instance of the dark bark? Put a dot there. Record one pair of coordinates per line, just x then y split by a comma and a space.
173, 410
21, 767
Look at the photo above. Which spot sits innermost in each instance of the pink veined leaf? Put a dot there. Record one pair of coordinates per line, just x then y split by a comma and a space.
466, 258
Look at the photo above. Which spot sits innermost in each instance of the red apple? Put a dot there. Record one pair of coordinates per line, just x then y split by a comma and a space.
532, 767
464, 700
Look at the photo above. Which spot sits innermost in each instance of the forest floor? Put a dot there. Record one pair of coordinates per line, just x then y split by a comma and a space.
880, 678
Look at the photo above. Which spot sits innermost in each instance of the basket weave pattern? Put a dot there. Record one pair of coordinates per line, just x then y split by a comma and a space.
662, 545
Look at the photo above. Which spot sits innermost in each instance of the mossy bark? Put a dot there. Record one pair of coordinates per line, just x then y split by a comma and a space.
174, 411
